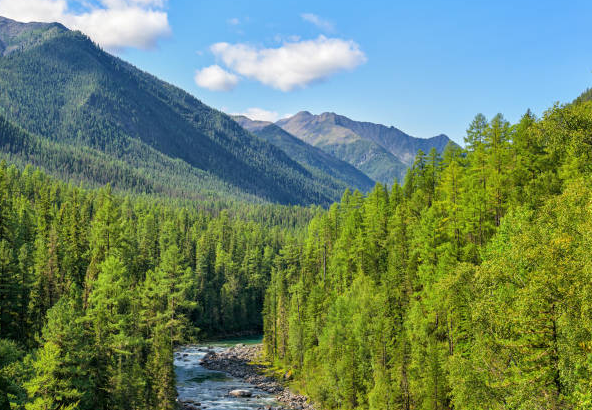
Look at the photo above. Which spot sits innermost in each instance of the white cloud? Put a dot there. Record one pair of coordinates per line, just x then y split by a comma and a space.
319, 22
215, 78
294, 64
155, 3
259, 114
33, 10
114, 24
233, 21
126, 27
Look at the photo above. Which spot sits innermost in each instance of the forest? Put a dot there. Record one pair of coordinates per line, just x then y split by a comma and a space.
98, 288
466, 287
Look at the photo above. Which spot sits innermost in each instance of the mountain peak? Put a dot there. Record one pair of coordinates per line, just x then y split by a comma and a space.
328, 116
303, 114
383, 152
15, 35
127, 116
13, 27
440, 137
249, 124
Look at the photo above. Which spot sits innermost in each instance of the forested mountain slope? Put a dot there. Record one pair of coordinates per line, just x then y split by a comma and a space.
314, 158
468, 287
96, 289
57, 84
384, 153
80, 163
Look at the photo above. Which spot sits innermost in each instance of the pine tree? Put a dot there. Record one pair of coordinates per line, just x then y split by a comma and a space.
105, 236
61, 366
8, 292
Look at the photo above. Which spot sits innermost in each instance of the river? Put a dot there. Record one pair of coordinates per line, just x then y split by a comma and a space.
210, 388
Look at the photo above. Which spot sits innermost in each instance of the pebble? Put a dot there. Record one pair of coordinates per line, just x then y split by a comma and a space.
236, 362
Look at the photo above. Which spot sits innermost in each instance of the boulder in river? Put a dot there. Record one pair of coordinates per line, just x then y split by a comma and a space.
240, 393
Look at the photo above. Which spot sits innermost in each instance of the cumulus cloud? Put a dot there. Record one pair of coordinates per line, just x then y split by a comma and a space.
114, 24
34, 10
233, 21
324, 25
215, 78
259, 114
294, 64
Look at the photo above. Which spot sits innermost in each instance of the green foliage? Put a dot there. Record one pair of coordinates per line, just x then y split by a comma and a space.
468, 287
97, 290
11, 390
585, 96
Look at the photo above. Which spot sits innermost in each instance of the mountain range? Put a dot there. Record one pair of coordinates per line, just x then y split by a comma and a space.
82, 114
383, 153
316, 160
58, 85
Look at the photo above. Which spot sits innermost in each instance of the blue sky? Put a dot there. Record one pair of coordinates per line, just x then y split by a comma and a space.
426, 67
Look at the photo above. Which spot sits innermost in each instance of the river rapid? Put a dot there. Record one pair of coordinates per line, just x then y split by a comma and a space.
198, 387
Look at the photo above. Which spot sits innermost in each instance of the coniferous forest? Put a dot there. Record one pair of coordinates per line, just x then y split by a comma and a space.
467, 287
135, 219
97, 289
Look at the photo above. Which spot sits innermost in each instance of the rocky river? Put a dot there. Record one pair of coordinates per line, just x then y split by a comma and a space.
219, 377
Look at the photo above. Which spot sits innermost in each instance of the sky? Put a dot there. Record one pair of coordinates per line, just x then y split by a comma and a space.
425, 67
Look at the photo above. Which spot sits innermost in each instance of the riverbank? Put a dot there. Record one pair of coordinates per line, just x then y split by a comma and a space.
238, 362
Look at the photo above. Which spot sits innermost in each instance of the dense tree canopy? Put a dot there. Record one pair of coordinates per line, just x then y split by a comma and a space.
467, 287
97, 289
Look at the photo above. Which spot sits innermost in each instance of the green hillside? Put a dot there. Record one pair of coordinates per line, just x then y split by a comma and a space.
585, 96
59, 85
167, 177
467, 287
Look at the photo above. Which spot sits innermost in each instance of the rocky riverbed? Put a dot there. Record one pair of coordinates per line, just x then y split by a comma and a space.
236, 362
199, 388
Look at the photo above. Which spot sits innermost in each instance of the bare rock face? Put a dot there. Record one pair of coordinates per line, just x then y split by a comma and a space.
240, 393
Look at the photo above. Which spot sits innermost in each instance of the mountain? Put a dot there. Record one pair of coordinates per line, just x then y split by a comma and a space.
366, 155
15, 36
384, 153
172, 178
57, 85
312, 158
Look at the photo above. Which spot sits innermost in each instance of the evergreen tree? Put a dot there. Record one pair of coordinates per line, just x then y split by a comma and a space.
61, 366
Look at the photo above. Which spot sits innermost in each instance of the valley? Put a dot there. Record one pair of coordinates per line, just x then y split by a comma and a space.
146, 236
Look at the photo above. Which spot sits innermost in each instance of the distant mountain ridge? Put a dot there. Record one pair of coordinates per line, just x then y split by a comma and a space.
249, 124
315, 159
383, 153
57, 85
